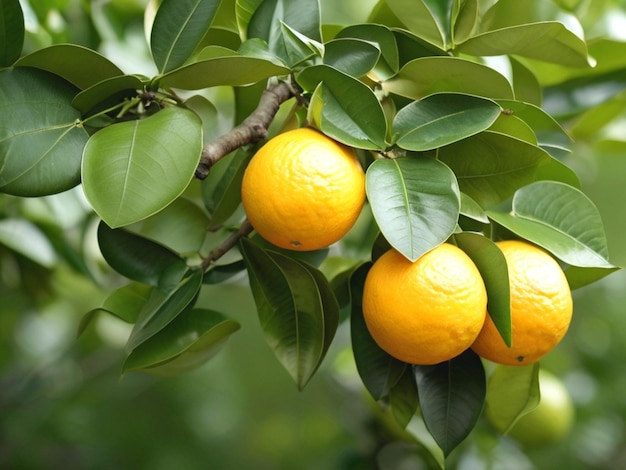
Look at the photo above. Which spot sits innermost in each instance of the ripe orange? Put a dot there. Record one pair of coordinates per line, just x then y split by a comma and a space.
302, 190
427, 311
541, 307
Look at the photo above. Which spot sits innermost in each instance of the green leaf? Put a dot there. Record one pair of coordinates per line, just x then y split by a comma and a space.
136, 257
490, 167
354, 57
163, 306
379, 371
403, 398
25, 238
344, 108
415, 202
41, 139
512, 391
451, 396
11, 32
222, 272
549, 42
385, 41
125, 162
297, 309
418, 19
525, 84
441, 119
187, 342
221, 189
113, 90
564, 221
427, 75
491, 263
231, 70
466, 19
178, 28
293, 48
78, 65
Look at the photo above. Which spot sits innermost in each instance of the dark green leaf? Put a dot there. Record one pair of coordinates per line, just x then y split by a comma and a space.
77, 64
222, 272
441, 119
297, 309
385, 41
512, 391
491, 263
403, 398
352, 56
136, 257
415, 202
427, 75
451, 397
314, 257
163, 306
41, 138
378, 370
490, 167
11, 32
344, 108
178, 28
187, 342
125, 162
112, 89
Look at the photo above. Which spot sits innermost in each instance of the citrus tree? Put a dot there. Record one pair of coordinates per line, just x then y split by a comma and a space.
443, 106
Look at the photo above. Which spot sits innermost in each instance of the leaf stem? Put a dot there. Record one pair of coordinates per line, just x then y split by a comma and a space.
252, 129
219, 251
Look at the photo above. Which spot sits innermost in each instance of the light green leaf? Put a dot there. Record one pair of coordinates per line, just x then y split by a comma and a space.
466, 20
441, 119
125, 162
415, 202
428, 75
177, 30
344, 108
27, 239
41, 139
11, 32
418, 19
78, 65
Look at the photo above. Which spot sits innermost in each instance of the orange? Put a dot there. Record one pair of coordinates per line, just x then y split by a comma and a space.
541, 307
427, 311
302, 190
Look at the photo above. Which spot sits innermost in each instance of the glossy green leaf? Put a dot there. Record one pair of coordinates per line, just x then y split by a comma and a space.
232, 70
163, 306
561, 219
451, 396
513, 126
471, 209
352, 56
490, 167
314, 258
512, 391
403, 398
78, 65
11, 32
294, 48
491, 263
155, 156
441, 119
136, 257
244, 9
269, 15
548, 41
222, 272
111, 89
344, 108
41, 138
178, 28
25, 238
415, 202
181, 227
465, 20
427, 75
221, 189
418, 19
388, 61
297, 309
378, 371
187, 342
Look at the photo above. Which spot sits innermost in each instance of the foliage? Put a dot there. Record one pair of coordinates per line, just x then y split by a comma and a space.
454, 108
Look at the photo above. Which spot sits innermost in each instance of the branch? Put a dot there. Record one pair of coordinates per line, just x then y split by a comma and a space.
252, 129
219, 251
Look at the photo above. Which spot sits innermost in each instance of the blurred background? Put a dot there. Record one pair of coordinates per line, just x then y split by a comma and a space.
64, 405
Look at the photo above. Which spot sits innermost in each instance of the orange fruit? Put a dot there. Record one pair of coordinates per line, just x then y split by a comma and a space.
427, 311
541, 307
302, 190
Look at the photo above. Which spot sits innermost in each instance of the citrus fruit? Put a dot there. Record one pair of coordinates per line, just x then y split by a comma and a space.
427, 311
541, 307
551, 420
302, 190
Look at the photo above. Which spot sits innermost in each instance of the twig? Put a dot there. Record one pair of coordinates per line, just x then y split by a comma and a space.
252, 129
219, 251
